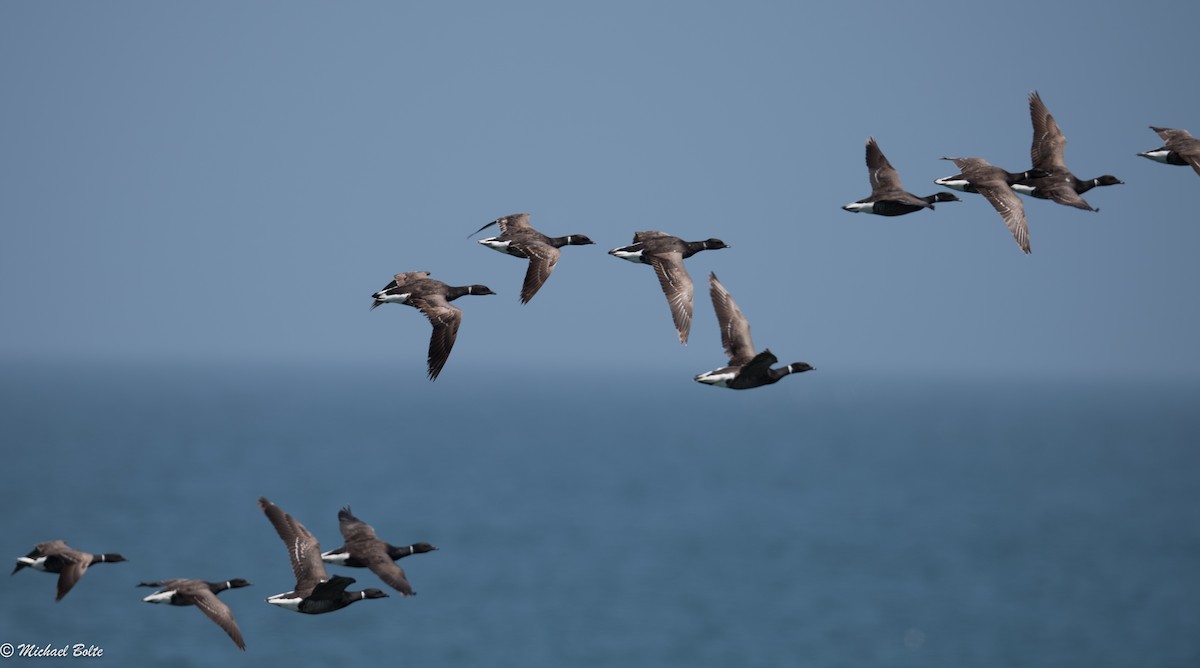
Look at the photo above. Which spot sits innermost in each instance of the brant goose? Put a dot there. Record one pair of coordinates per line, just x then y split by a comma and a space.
1181, 148
519, 239
666, 254
888, 197
203, 595
56, 557
746, 369
433, 298
315, 591
1046, 151
993, 183
363, 549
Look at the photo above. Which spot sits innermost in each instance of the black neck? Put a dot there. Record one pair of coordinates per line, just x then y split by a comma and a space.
456, 291
398, 552
693, 247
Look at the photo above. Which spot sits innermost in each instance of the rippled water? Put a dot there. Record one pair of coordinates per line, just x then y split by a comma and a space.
824, 521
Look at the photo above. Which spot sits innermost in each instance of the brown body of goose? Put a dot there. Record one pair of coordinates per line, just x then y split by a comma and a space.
432, 297
55, 556
519, 239
315, 592
203, 595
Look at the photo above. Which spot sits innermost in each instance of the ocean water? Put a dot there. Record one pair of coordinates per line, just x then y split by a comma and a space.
829, 520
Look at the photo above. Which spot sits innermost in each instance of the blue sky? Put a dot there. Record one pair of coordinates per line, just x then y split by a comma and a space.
231, 181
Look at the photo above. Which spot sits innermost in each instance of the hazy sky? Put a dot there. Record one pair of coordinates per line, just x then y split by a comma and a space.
232, 180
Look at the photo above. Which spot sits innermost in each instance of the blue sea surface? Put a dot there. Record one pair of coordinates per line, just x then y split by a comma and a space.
830, 520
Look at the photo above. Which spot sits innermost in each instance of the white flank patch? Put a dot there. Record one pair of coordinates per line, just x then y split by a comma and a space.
860, 207
1156, 156
953, 183
285, 601
339, 558
392, 299
714, 378
1023, 189
632, 256
496, 245
38, 564
160, 596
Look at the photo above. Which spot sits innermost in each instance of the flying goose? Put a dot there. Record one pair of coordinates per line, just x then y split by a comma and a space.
203, 595
432, 297
888, 197
746, 369
519, 239
666, 254
55, 556
315, 592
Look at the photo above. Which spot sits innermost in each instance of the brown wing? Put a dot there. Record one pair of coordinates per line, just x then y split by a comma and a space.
1048, 145
516, 221
1169, 135
639, 237
401, 279
303, 549
216, 610
388, 571
75, 564
677, 286
1063, 192
735, 330
884, 177
542, 259
1010, 208
445, 320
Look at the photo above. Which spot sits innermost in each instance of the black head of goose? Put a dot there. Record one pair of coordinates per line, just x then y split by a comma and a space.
666, 254
1047, 153
55, 556
363, 549
888, 197
1180, 148
519, 239
747, 369
993, 183
432, 297
203, 595
315, 592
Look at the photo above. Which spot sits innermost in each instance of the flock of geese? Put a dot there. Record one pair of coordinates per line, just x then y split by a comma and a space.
1047, 178
316, 592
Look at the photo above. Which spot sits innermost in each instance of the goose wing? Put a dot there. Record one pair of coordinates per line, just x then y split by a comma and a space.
542, 260
516, 221
74, 565
445, 320
303, 549
884, 177
215, 609
677, 286
1049, 143
735, 329
1011, 210
639, 237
